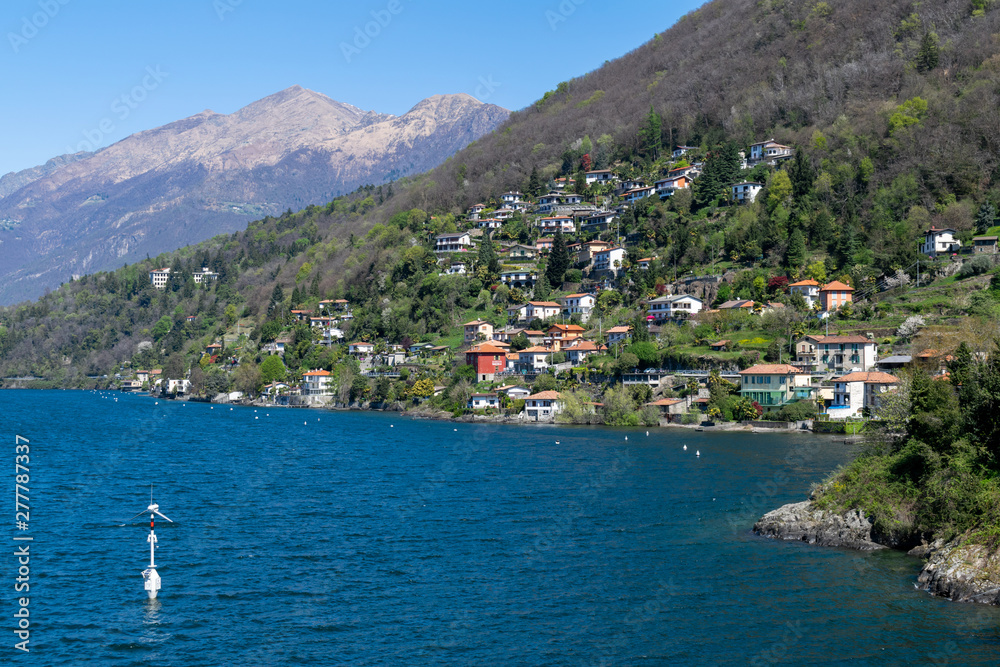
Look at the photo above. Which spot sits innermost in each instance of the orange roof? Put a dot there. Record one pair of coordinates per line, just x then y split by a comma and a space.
870, 377
772, 369
544, 396
475, 323
584, 346
536, 348
576, 296
666, 401
805, 283
486, 348
546, 304
928, 353
845, 339
620, 329
320, 373
362, 343
836, 286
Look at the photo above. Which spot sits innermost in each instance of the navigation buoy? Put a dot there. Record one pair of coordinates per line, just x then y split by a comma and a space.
150, 576
685, 448
697, 453
626, 437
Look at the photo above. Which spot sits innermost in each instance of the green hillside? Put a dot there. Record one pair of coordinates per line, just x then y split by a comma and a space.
891, 111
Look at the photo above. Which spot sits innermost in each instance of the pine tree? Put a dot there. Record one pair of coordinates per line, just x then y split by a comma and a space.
277, 299
488, 256
558, 261
542, 288
986, 217
796, 254
802, 174
314, 288
652, 134
929, 55
534, 183
296, 297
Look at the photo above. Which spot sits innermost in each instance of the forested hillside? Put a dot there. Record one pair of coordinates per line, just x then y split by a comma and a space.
892, 109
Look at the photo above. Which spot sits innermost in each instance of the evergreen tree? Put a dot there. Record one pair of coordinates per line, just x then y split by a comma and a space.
314, 287
559, 261
796, 254
802, 175
542, 288
722, 169
488, 256
652, 134
535, 183
962, 366
986, 217
277, 300
929, 55
580, 183
296, 297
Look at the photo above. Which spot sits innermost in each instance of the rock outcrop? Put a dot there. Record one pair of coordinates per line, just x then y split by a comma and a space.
805, 522
963, 572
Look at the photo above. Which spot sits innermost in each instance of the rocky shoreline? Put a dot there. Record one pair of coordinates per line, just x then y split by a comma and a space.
959, 570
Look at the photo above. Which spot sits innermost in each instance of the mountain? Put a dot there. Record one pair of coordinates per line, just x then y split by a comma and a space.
891, 112
184, 182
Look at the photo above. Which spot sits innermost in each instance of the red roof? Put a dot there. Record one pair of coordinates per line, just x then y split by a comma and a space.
870, 377
836, 286
544, 396
773, 369
319, 373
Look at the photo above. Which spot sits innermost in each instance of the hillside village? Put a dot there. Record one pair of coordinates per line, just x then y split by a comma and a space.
562, 339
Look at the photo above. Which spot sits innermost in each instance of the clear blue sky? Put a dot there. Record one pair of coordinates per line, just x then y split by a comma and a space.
65, 64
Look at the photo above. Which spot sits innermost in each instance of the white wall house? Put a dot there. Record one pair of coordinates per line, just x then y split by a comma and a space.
205, 275
556, 223
484, 402
519, 278
600, 176
745, 192
610, 260
317, 383
769, 151
809, 289
578, 304
457, 242
854, 392
678, 306
543, 310
846, 353
637, 194
940, 242
159, 277
543, 406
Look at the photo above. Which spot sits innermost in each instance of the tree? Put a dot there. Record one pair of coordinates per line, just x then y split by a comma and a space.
277, 299
962, 366
558, 260
230, 315
314, 287
272, 369
652, 134
802, 175
174, 368
928, 55
248, 378
488, 256
534, 183
542, 287
986, 217
779, 190
795, 256
422, 388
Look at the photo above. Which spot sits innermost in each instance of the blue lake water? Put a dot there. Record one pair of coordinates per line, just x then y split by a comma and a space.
307, 537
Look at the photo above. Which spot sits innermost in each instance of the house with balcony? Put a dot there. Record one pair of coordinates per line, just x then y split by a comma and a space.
548, 202
578, 304
475, 210
507, 334
520, 278
478, 330
940, 242
456, 242
317, 383
487, 360
360, 349
681, 150
489, 223
517, 313
609, 260
745, 192
534, 359
835, 294
563, 223
856, 392
511, 198
587, 251
544, 244
542, 310
504, 214
514, 392
578, 350
807, 352
808, 289
846, 353
543, 406
521, 252
206, 275
619, 334
678, 306
638, 194
775, 385
599, 221
769, 151
600, 176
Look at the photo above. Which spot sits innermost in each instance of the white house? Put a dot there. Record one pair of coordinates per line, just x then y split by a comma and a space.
455, 269
674, 307
769, 151
457, 242
489, 223
205, 275
514, 392
360, 348
182, 386
533, 359
578, 350
517, 313
940, 242
317, 383
475, 210
578, 304
600, 176
159, 277
619, 334
556, 223
745, 192
846, 353
635, 194
543, 310
504, 213
856, 391
484, 402
597, 222
478, 330
509, 198
681, 150
519, 278
610, 259
543, 406
809, 289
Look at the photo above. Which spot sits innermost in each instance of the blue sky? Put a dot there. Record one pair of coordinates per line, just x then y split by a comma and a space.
74, 75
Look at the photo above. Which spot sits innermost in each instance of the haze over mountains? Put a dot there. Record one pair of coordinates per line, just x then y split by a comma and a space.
211, 173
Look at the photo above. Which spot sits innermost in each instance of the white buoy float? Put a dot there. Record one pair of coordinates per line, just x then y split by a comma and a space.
685, 448
626, 437
150, 576
697, 452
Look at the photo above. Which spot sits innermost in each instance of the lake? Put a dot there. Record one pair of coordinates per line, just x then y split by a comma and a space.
309, 537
